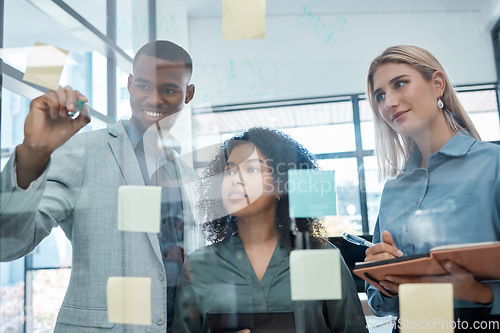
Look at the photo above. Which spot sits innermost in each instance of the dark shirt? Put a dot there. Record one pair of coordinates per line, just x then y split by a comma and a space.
172, 224
220, 278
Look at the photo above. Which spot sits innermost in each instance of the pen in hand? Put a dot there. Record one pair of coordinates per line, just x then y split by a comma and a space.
80, 105
357, 240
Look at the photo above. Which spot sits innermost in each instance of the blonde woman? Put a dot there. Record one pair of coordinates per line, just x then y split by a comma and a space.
444, 184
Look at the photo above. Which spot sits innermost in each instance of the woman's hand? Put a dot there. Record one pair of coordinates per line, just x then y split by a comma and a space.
465, 286
384, 250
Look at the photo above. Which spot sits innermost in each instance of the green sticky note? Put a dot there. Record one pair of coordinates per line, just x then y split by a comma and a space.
315, 275
426, 307
312, 192
139, 208
129, 300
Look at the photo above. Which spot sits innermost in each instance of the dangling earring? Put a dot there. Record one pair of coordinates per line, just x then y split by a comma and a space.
440, 103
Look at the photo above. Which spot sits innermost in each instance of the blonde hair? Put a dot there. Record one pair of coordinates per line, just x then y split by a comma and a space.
392, 149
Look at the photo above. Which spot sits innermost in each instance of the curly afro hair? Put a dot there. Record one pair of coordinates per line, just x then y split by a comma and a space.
282, 154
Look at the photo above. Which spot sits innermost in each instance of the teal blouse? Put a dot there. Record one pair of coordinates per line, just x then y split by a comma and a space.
220, 278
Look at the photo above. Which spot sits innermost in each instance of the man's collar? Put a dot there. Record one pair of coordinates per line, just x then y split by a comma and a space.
136, 136
133, 134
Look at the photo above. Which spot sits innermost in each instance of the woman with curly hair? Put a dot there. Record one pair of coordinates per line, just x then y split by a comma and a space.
244, 201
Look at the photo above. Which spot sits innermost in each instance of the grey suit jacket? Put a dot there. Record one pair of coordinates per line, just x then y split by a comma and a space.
79, 192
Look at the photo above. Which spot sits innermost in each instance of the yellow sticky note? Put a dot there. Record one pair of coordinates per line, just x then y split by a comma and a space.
129, 300
45, 65
139, 208
243, 19
426, 307
315, 275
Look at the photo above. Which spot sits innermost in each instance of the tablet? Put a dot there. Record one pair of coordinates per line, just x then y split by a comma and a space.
257, 322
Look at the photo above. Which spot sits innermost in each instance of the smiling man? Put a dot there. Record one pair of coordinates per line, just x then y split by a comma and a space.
57, 178
159, 87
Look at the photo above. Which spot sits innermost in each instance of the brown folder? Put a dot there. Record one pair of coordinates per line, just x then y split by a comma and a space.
481, 259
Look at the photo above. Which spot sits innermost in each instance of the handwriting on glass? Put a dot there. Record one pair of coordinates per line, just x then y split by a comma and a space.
326, 30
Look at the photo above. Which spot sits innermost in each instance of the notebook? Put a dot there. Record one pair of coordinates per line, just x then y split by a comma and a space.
257, 322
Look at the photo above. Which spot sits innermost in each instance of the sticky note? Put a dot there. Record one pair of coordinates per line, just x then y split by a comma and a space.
139, 208
243, 19
129, 300
315, 275
45, 65
426, 307
312, 192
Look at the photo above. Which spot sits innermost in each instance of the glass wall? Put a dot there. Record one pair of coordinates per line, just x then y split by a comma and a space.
33, 287
101, 38
328, 131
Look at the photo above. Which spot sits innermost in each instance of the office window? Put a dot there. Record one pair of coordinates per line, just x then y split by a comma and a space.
49, 287
481, 107
373, 187
14, 111
317, 126
122, 103
367, 125
94, 14
325, 129
348, 218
